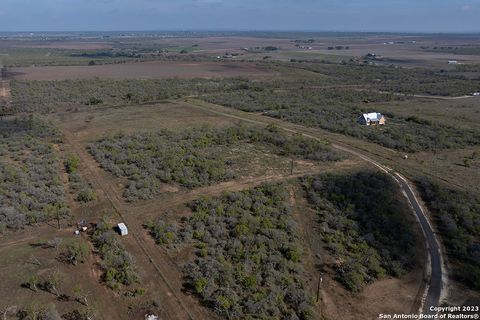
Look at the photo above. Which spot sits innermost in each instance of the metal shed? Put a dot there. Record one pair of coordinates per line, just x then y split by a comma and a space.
122, 229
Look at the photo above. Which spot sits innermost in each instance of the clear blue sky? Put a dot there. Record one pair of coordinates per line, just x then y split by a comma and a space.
321, 15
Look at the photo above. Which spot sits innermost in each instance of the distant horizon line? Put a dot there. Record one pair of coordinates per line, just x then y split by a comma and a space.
244, 30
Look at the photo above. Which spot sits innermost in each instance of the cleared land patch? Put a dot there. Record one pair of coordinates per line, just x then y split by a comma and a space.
143, 70
88, 124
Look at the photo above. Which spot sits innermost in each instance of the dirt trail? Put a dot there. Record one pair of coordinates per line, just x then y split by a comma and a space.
4, 92
32, 235
153, 206
171, 297
309, 232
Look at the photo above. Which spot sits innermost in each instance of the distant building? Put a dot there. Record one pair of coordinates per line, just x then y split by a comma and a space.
122, 229
372, 119
476, 94
452, 62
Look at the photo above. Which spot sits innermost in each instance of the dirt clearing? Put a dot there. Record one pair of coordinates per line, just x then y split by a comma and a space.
143, 70
92, 124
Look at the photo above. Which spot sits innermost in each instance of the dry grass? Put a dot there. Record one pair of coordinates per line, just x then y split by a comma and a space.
143, 70
89, 124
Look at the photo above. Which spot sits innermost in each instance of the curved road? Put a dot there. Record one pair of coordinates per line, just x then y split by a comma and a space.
433, 290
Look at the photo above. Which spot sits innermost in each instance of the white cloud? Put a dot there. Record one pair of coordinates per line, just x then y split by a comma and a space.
466, 7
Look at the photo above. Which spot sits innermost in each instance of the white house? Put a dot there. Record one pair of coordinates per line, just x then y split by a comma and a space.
452, 62
372, 118
122, 228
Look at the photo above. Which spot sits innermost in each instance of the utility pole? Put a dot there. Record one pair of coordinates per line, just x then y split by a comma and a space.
320, 280
291, 167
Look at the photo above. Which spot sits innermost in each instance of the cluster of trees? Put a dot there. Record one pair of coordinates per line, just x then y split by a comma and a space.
339, 48
121, 53
470, 50
406, 134
391, 78
473, 67
30, 187
248, 255
337, 110
117, 264
49, 283
457, 216
32, 311
107, 54
44, 96
37, 311
162, 232
365, 225
147, 159
277, 95
53, 282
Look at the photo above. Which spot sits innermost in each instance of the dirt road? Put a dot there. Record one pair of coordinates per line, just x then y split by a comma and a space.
146, 255
3, 87
433, 290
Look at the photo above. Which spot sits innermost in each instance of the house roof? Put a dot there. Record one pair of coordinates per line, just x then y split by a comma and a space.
372, 116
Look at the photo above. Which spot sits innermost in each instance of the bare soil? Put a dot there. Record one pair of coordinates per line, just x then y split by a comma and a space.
143, 70
91, 123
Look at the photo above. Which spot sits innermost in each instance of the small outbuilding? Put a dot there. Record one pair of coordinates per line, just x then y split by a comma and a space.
122, 229
476, 94
372, 119
452, 62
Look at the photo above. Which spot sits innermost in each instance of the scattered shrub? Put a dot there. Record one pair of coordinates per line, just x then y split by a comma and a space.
248, 255
117, 264
71, 163
87, 195
147, 159
30, 187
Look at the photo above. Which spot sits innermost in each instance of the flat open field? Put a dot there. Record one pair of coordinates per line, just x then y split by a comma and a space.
75, 45
143, 70
91, 124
